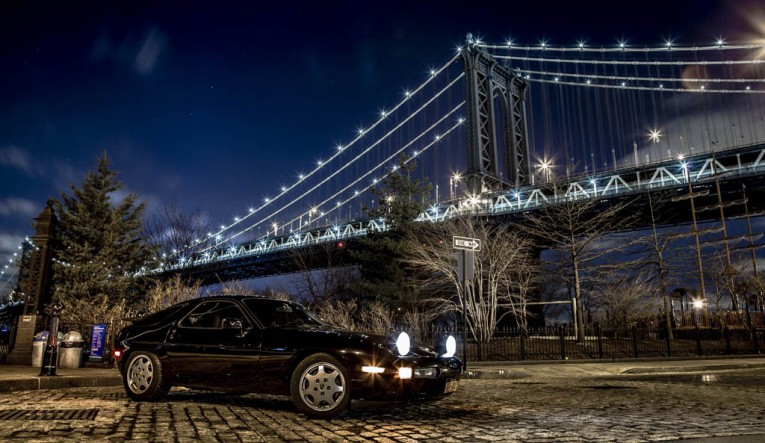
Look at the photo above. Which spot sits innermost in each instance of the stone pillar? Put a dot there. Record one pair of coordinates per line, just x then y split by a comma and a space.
36, 286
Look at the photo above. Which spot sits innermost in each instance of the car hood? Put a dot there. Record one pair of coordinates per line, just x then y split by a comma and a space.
362, 338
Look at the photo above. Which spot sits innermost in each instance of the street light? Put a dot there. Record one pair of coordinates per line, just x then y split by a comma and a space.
276, 227
654, 135
545, 166
698, 306
453, 180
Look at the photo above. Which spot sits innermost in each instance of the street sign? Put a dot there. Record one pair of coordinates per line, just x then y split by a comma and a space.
466, 243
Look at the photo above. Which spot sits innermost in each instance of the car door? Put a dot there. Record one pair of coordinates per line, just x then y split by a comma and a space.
278, 343
214, 346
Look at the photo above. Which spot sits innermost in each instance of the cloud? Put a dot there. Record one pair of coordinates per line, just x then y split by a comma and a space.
149, 53
19, 207
18, 158
141, 54
9, 245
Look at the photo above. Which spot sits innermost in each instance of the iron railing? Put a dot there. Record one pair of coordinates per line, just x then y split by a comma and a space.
560, 343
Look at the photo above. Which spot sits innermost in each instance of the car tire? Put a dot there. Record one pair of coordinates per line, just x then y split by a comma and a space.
143, 378
320, 386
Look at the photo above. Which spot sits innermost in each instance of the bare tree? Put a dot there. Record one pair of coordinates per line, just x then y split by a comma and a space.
175, 231
576, 228
376, 318
169, 292
234, 287
339, 313
502, 268
322, 274
626, 299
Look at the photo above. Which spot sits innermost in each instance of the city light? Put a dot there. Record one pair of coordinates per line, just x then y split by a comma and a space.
654, 135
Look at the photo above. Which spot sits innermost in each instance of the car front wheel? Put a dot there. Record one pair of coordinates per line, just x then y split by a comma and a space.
143, 378
320, 386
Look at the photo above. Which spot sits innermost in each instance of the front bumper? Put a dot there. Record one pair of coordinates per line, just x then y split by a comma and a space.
431, 379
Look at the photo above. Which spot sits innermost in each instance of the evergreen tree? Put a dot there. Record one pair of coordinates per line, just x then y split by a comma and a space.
400, 199
100, 249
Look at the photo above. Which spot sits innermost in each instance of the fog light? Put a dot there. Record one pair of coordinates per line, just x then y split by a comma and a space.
372, 369
404, 373
425, 373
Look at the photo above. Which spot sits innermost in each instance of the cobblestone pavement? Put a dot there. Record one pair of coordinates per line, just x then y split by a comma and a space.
532, 409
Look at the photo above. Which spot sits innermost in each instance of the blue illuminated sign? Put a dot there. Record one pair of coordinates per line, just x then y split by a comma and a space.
97, 339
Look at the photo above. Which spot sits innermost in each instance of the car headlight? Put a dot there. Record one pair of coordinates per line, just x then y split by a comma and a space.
403, 344
451, 346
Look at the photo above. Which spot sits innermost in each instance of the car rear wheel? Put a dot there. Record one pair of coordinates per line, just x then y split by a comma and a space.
320, 386
143, 378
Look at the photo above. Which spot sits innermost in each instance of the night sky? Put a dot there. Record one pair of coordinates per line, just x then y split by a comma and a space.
212, 104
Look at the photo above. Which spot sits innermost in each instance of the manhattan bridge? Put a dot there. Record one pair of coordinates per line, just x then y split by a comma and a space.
497, 123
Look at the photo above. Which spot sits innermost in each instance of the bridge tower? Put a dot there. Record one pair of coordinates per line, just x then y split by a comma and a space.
37, 286
495, 97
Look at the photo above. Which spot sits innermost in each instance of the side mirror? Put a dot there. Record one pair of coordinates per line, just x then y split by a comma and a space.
232, 323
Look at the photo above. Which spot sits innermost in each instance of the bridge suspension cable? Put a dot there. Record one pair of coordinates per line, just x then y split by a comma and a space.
640, 78
343, 167
660, 88
357, 180
340, 149
622, 47
436, 139
634, 62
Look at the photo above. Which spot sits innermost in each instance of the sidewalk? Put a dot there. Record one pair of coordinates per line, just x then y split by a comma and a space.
19, 378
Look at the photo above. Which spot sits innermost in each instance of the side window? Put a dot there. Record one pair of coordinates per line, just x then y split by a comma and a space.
211, 315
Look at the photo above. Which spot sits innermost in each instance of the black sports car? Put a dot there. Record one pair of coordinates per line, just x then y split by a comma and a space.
252, 344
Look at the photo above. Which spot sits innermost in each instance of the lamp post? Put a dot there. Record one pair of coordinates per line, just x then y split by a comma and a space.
50, 357
453, 180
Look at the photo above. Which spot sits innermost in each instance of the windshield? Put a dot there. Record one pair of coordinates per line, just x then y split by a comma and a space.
276, 313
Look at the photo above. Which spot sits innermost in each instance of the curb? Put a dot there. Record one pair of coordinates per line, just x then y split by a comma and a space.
670, 369
57, 382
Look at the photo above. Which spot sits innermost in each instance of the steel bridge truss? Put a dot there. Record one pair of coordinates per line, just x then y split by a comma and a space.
701, 169
282, 243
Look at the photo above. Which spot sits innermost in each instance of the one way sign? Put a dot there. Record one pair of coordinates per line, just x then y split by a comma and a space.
466, 243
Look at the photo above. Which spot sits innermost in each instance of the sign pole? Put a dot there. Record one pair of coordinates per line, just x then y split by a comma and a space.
464, 307
466, 248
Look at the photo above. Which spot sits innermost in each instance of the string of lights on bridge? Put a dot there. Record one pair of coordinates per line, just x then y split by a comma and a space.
340, 149
347, 164
437, 138
395, 167
13, 258
315, 210
622, 46
638, 83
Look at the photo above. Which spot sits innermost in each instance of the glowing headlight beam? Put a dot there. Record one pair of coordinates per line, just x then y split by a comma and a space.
403, 344
451, 346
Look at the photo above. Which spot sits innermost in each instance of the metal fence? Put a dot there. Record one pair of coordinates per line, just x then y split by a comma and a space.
560, 343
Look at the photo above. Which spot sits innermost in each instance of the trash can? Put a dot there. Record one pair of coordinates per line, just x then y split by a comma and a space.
38, 348
39, 342
70, 350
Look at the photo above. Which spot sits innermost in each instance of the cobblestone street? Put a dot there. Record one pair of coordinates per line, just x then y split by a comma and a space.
531, 409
